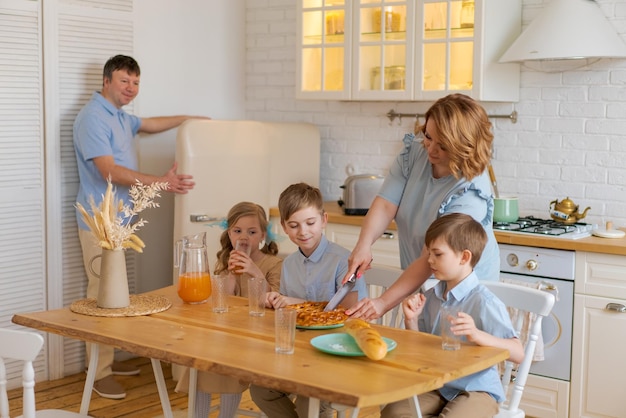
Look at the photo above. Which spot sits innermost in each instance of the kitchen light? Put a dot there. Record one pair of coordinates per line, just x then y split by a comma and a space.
567, 29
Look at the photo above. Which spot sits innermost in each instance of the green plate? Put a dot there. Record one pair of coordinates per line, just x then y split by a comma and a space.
343, 344
320, 326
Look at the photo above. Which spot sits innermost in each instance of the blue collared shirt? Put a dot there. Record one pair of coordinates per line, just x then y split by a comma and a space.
102, 129
318, 277
489, 314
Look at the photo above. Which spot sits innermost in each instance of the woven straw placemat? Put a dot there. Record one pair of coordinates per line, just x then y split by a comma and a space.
139, 305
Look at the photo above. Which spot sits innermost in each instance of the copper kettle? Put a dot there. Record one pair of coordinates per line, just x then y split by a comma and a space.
566, 211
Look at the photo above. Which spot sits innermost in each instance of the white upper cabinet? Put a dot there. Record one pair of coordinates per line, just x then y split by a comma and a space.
406, 50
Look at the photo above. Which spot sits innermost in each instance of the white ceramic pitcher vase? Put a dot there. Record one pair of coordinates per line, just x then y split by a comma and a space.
113, 288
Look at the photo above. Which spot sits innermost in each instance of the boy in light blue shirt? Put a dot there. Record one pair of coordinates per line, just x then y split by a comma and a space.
313, 273
455, 243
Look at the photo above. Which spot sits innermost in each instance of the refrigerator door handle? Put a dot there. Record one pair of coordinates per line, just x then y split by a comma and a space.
202, 218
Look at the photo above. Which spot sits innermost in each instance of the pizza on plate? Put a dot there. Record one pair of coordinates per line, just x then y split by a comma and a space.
311, 314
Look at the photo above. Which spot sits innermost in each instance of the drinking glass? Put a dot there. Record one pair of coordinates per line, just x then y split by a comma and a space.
449, 340
244, 247
219, 295
256, 296
285, 330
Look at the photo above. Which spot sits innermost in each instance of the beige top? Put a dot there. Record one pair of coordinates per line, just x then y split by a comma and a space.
271, 267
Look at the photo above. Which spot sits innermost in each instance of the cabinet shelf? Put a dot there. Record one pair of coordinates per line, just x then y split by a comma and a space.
369, 36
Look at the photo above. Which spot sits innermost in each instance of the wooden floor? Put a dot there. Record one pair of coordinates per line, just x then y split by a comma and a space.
142, 399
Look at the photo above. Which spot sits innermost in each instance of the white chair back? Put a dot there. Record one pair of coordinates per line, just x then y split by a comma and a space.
530, 300
24, 346
379, 279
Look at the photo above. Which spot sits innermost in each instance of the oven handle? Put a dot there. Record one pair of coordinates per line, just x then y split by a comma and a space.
617, 307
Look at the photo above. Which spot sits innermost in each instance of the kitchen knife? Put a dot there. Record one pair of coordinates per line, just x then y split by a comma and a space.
342, 292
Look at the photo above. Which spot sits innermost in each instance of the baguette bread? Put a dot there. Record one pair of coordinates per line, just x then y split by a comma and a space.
367, 338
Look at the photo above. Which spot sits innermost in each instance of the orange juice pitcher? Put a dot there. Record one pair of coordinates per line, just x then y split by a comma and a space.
191, 259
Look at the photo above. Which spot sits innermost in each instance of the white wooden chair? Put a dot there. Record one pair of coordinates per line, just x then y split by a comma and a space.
24, 346
529, 300
378, 279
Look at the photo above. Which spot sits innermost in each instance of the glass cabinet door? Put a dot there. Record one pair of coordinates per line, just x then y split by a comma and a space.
383, 49
446, 59
401, 50
324, 38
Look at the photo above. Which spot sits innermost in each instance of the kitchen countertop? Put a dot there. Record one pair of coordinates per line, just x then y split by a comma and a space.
591, 244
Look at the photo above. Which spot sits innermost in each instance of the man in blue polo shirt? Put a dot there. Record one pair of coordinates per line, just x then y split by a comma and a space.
104, 145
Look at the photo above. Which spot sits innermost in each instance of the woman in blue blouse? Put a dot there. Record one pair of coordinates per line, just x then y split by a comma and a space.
441, 170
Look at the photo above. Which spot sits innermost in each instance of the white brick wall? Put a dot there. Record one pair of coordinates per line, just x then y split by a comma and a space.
570, 138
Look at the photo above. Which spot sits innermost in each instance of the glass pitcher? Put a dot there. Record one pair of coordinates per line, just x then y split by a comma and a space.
191, 259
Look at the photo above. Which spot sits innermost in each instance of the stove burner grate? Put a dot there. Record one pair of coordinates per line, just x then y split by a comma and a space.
538, 226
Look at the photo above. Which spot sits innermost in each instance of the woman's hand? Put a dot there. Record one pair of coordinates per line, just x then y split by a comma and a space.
379, 215
367, 309
360, 258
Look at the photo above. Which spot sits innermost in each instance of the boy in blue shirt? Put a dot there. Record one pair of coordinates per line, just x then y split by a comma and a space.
313, 273
455, 243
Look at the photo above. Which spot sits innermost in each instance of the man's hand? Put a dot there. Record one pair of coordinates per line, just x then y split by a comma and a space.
178, 183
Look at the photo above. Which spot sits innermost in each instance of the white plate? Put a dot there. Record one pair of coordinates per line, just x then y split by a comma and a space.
611, 233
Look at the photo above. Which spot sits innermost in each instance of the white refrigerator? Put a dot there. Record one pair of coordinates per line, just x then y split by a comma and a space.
234, 161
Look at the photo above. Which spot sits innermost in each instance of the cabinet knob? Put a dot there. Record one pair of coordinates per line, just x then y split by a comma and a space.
617, 307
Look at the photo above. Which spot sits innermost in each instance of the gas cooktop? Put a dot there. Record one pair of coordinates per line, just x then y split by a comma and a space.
547, 227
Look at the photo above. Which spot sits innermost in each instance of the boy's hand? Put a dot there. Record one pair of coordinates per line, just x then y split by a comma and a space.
276, 300
412, 307
464, 324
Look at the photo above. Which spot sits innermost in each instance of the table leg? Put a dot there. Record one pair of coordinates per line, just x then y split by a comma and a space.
193, 385
314, 408
91, 377
355, 413
162, 388
415, 405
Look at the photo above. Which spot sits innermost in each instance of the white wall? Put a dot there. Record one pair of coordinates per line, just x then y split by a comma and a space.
192, 58
569, 140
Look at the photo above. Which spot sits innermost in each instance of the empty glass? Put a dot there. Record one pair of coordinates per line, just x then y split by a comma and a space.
256, 296
285, 330
219, 295
449, 340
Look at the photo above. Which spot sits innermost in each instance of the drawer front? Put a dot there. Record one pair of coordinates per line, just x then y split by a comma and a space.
544, 397
601, 275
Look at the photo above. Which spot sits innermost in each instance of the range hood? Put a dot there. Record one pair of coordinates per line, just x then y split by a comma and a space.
567, 29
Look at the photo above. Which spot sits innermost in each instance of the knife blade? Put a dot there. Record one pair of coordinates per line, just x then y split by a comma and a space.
342, 292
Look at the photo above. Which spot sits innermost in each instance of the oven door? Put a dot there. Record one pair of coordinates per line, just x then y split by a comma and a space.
557, 329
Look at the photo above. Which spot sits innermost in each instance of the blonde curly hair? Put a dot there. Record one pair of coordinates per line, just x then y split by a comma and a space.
238, 211
464, 132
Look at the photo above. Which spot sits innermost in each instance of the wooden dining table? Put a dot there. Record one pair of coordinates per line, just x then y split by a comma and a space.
242, 346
